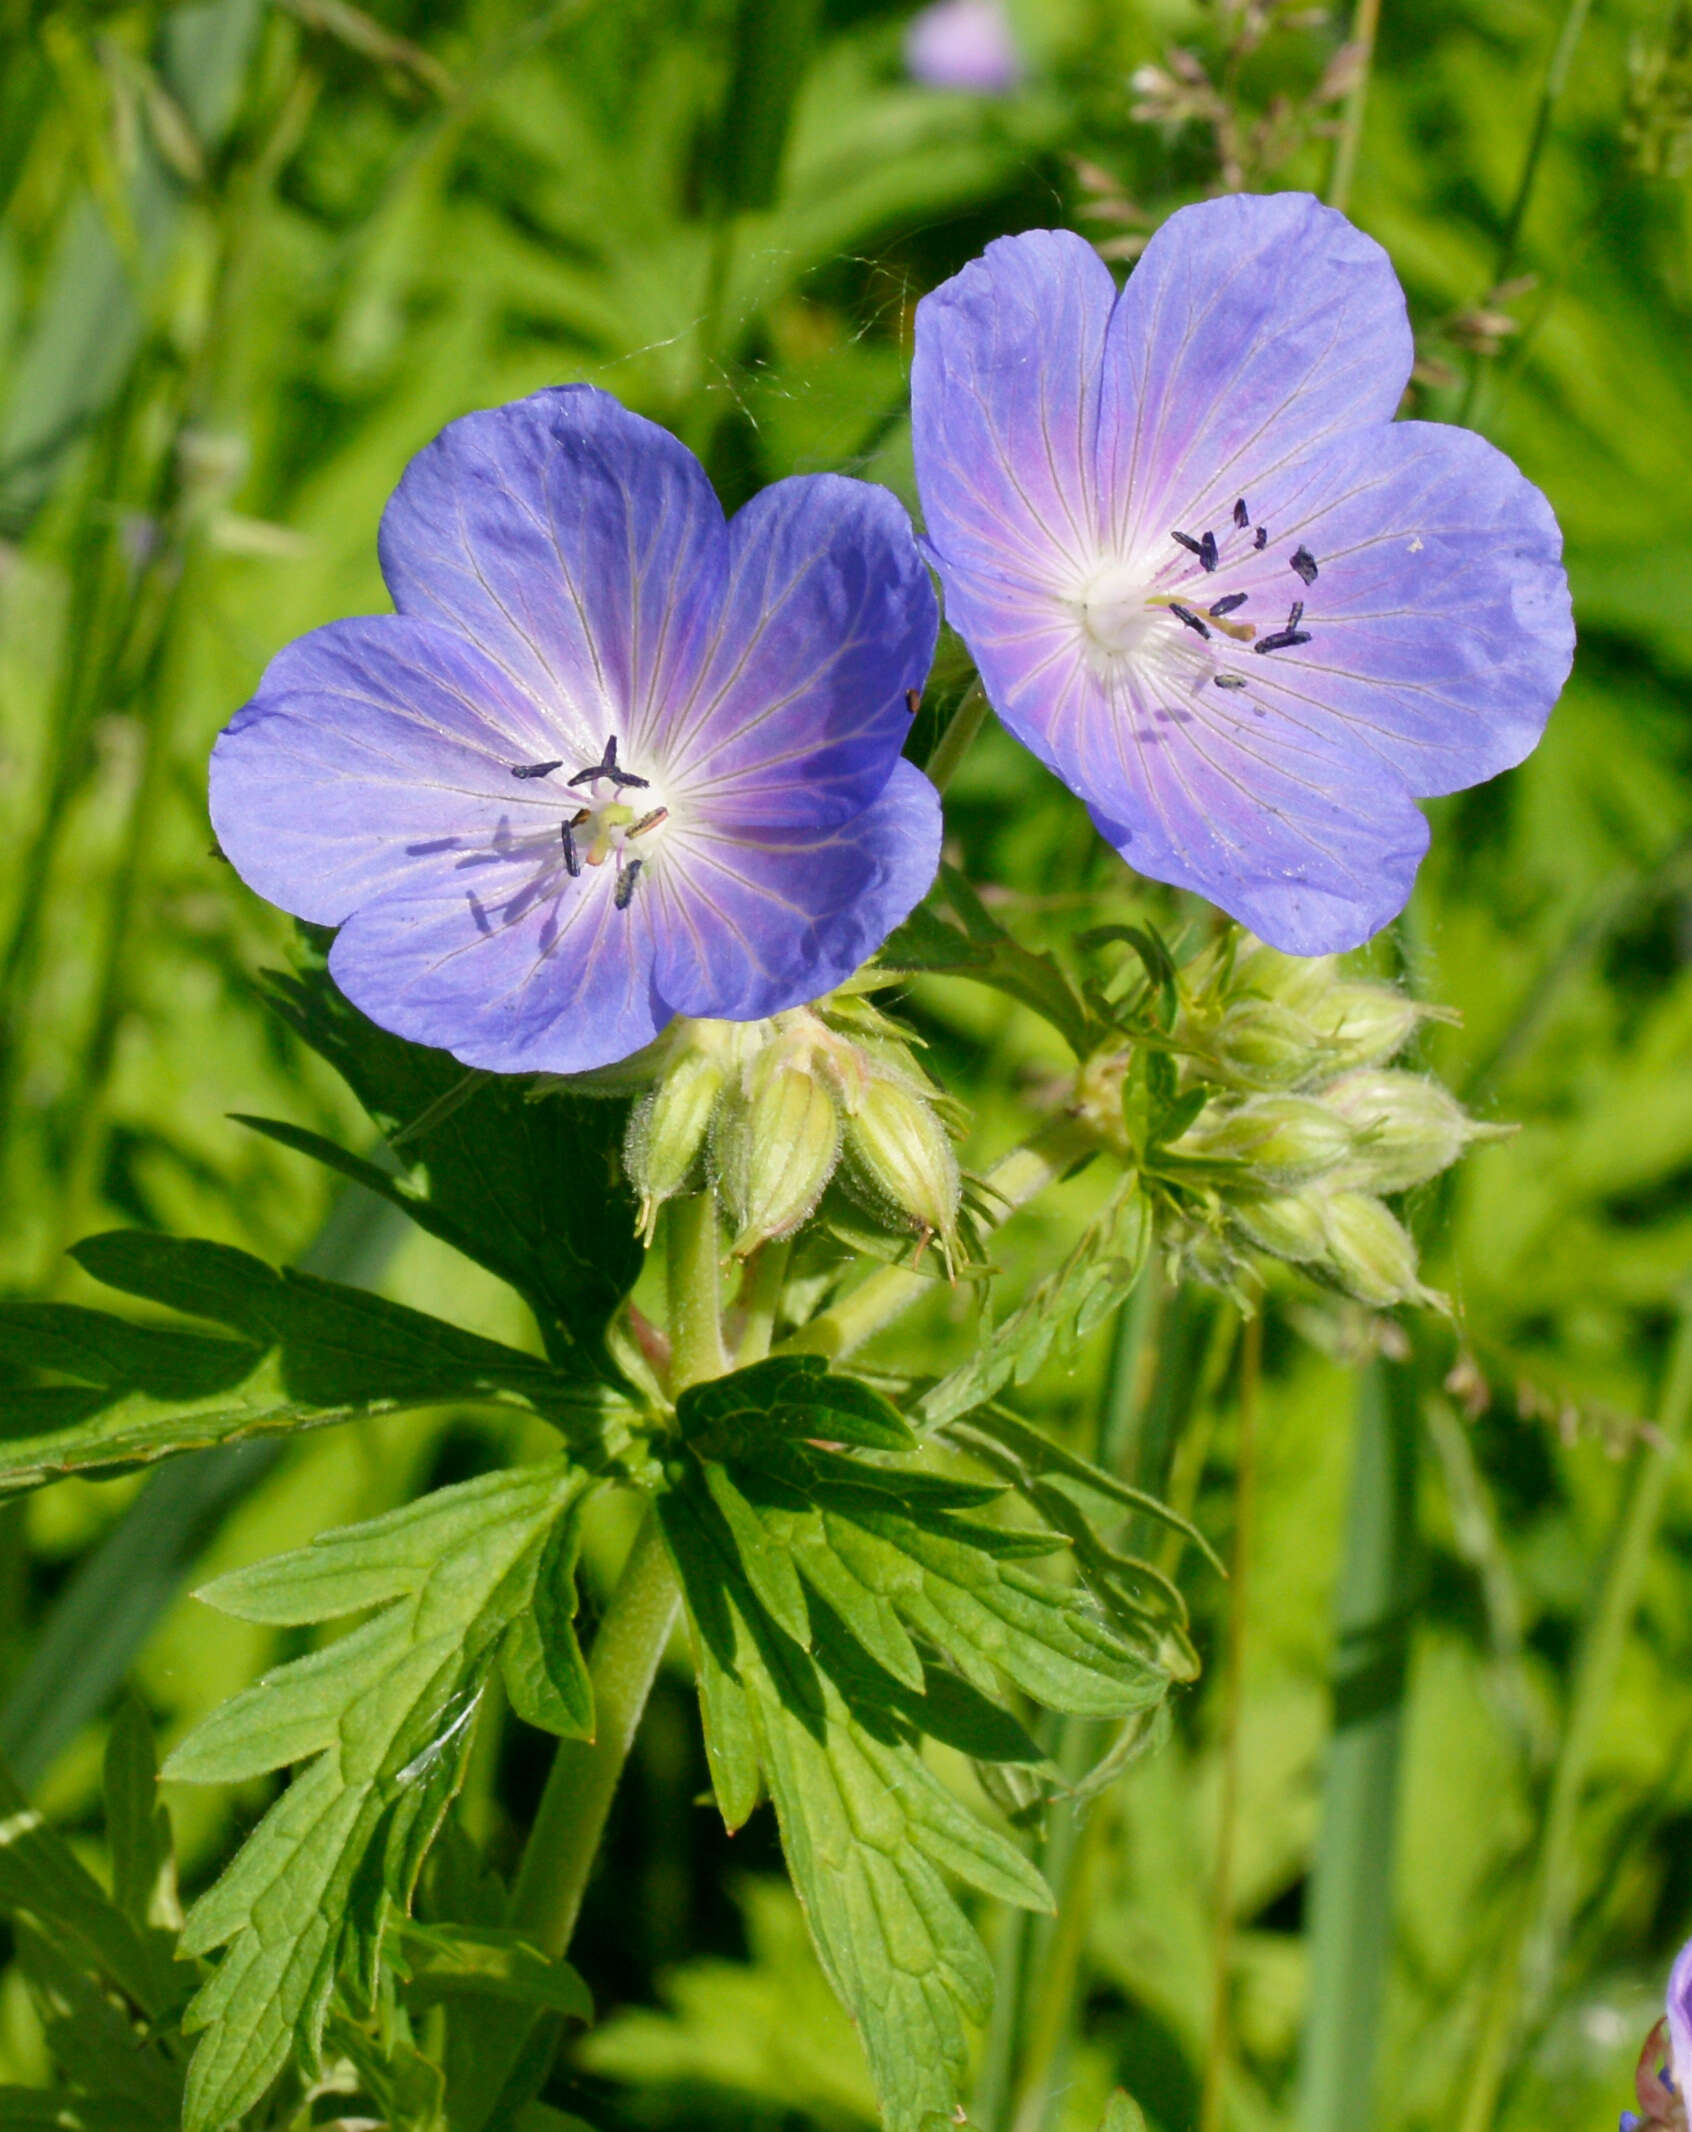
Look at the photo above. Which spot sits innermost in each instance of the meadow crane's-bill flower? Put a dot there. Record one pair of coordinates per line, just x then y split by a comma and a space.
615, 758
1208, 579
1663, 2076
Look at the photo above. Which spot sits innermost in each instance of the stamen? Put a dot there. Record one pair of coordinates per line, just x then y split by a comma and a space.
572, 857
1227, 606
1208, 555
1242, 517
1305, 564
626, 880
650, 821
607, 767
1260, 540
1193, 547
1282, 639
535, 769
1229, 680
1186, 614
1295, 614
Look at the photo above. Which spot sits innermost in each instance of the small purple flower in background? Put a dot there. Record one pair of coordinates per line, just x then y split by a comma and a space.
1665, 2064
964, 44
614, 759
1206, 577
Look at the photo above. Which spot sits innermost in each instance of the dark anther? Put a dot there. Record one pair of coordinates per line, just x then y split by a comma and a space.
536, 769
607, 767
913, 700
1193, 547
572, 857
1229, 680
1227, 606
1305, 564
1242, 517
1295, 614
1260, 540
1207, 551
1282, 640
1186, 614
650, 821
625, 884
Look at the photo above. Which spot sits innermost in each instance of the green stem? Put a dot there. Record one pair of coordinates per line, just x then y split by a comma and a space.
1533, 1948
954, 744
693, 1273
1222, 1924
760, 1302
1351, 1890
886, 1295
565, 1838
1364, 24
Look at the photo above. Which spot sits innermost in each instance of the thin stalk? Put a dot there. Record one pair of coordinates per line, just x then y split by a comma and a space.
760, 1302
1245, 1520
1534, 1947
886, 1295
1550, 94
1351, 1888
693, 1274
954, 744
1364, 23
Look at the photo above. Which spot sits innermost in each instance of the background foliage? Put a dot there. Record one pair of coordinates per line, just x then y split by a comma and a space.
253, 255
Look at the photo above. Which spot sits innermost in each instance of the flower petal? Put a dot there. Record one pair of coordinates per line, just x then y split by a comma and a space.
1680, 2018
371, 745
1252, 328
1005, 394
763, 919
829, 618
507, 963
581, 547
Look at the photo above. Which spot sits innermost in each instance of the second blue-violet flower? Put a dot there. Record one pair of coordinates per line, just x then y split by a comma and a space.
1205, 575
614, 759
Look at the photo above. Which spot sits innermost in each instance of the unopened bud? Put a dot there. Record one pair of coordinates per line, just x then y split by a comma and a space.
1286, 1140
666, 1132
1290, 1225
1370, 1253
1408, 1129
1364, 1025
775, 1148
1259, 1043
1295, 981
899, 1152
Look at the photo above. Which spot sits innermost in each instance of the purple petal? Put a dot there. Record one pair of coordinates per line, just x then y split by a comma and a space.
766, 918
1680, 2019
963, 44
829, 618
1252, 328
370, 745
579, 545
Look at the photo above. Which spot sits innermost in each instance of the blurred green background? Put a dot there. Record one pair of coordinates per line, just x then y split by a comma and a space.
253, 254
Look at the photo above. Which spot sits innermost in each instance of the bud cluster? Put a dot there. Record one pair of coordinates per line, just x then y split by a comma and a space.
1286, 1126
771, 1111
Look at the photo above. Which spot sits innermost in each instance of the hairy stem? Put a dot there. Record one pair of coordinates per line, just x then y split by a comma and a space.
1528, 1964
886, 1295
693, 1275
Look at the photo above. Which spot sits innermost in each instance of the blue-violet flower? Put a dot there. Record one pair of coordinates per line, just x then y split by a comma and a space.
1664, 2070
1208, 579
614, 759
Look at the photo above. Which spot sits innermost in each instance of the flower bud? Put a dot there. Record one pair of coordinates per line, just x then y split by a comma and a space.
1290, 1225
667, 1129
900, 1154
1285, 1140
776, 1143
1408, 1129
1370, 1253
1363, 1024
1295, 981
1259, 1043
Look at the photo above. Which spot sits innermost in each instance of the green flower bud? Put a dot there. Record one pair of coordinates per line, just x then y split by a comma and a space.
1408, 1129
776, 1143
666, 1132
899, 1153
1290, 1225
1364, 1025
1259, 1043
1370, 1253
1285, 1140
1295, 981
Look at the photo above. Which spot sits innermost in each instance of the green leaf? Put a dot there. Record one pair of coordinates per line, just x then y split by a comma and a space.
309, 1353
533, 1190
545, 1674
980, 948
467, 1961
92, 2040
1123, 2114
387, 1712
1107, 1260
789, 1396
42, 1880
